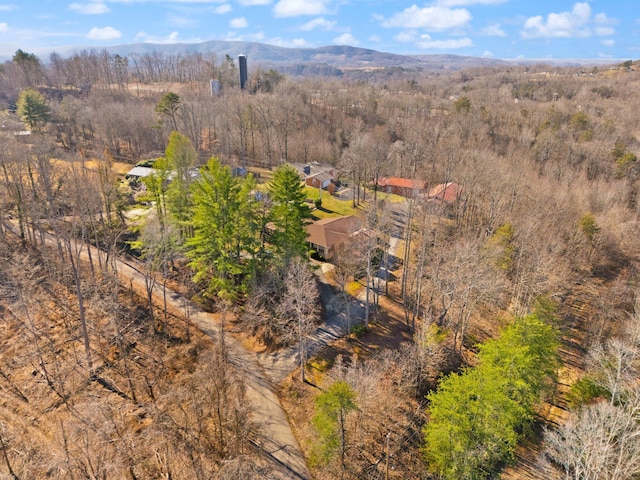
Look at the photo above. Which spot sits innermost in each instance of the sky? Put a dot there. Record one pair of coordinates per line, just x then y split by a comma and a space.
504, 29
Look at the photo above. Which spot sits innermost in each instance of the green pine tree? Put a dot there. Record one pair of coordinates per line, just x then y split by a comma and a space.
32, 109
181, 159
290, 214
476, 417
329, 421
226, 239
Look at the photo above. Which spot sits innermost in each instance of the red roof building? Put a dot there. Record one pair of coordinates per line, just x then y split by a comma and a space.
446, 193
401, 186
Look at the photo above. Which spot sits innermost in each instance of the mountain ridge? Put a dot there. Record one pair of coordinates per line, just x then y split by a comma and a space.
335, 57
272, 56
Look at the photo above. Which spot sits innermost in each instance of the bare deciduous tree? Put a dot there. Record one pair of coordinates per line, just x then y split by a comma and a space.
299, 306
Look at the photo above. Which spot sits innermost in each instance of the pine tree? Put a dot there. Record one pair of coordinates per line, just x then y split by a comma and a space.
32, 109
290, 213
476, 417
226, 239
330, 420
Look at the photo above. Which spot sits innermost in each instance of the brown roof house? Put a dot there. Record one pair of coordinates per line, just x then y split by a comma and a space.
322, 180
318, 175
444, 198
445, 193
326, 234
401, 186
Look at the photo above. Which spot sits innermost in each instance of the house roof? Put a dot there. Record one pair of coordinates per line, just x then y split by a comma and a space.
330, 232
140, 172
398, 182
445, 192
321, 176
314, 168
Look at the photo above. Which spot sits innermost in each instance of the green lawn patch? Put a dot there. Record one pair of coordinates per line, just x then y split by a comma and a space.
331, 206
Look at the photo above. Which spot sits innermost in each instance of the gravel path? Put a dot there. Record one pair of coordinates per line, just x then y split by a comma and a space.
276, 440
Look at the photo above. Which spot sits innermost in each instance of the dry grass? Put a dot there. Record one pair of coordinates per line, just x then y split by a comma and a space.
54, 417
119, 168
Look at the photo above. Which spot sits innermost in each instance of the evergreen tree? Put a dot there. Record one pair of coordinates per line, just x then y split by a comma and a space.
332, 408
157, 185
476, 417
181, 158
473, 424
32, 109
168, 107
290, 213
226, 239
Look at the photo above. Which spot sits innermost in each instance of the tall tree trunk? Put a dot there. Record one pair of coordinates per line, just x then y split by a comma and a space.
74, 260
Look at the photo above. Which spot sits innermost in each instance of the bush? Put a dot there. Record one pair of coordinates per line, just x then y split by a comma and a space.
358, 330
584, 391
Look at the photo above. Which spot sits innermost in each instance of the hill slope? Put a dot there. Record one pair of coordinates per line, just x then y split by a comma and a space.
272, 56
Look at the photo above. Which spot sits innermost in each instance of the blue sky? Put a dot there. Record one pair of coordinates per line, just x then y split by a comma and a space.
482, 28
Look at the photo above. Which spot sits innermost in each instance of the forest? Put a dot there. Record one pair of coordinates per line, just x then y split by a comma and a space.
140, 316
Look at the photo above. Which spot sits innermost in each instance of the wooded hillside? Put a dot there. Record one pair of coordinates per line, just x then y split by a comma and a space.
100, 382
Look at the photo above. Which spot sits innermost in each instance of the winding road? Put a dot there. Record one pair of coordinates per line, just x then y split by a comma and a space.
275, 437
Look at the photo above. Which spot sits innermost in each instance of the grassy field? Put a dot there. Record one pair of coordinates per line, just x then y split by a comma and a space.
331, 206
335, 207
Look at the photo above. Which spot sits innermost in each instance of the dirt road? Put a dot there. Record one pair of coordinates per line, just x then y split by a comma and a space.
275, 437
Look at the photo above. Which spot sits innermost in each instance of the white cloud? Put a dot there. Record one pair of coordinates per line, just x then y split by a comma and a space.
429, 18
406, 36
247, 37
222, 9
608, 42
181, 22
493, 31
254, 2
92, 8
604, 31
295, 8
427, 43
280, 42
106, 33
488, 54
7, 8
346, 39
566, 24
201, 2
318, 23
4, 27
604, 20
464, 3
239, 22
144, 37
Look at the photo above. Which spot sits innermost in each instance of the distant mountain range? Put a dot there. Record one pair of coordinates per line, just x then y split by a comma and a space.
263, 55
329, 59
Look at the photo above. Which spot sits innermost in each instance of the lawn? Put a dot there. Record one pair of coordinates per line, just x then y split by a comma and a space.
331, 206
